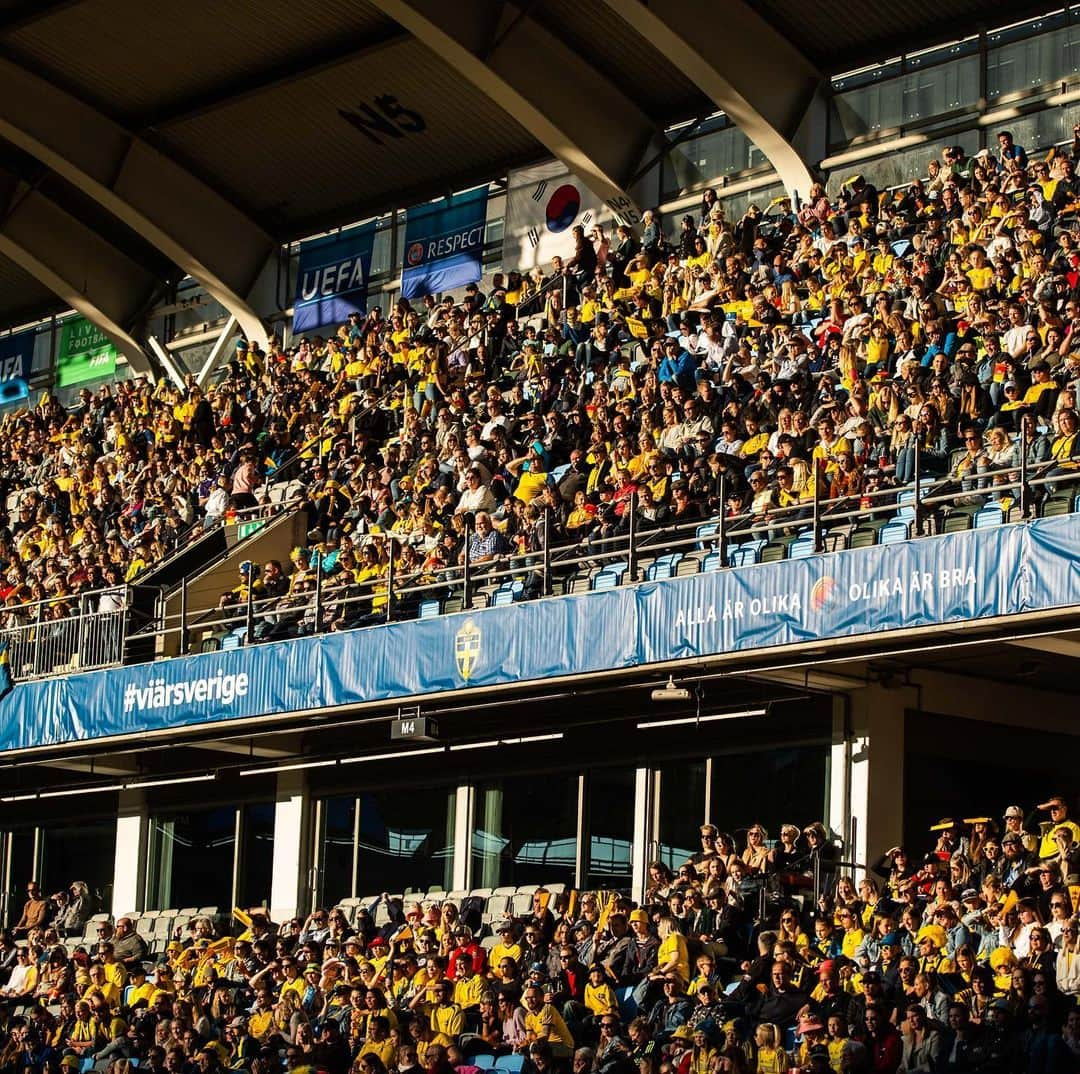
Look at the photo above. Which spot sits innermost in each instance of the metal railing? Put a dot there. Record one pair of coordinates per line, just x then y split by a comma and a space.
62, 634
624, 549
325, 602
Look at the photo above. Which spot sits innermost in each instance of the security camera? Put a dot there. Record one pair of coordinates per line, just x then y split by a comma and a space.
670, 692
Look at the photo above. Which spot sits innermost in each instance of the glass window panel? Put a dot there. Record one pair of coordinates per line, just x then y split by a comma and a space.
525, 831
1017, 66
256, 854
771, 788
336, 850
86, 852
682, 811
916, 96
735, 207
382, 250
702, 160
609, 821
191, 859
406, 840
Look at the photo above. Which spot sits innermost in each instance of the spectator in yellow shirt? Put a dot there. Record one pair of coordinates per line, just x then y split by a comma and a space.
447, 1020
600, 997
544, 1023
505, 948
378, 1044
99, 982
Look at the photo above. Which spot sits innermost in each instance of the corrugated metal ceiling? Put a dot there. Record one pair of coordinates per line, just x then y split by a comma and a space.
135, 59
837, 35
294, 157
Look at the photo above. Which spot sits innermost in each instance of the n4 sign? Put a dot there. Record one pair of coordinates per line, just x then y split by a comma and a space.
387, 119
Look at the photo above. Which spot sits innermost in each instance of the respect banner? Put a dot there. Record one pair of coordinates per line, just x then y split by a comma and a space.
444, 244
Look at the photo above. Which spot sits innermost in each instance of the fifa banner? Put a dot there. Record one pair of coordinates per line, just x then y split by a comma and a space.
952, 579
85, 354
332, 279
444, 244
16, 358
543, 204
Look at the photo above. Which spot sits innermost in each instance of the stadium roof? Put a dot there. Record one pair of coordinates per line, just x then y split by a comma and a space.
208, 133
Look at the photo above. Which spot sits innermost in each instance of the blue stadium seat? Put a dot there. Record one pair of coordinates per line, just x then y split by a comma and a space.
611, 576
510, 1064
901, 247
801, 547
705, 531
484, 1062
232, 640
663, 567
905, 504
429, 609
606, 579
627, 1004
712, 562
893, 532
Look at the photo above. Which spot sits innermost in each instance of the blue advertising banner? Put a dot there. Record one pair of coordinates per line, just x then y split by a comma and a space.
16, 358
444, 244
332, 279
961, 577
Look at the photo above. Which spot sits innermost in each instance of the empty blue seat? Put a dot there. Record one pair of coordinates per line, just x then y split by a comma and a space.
230, 641
893, 532
901, 247
990, 515
712, 562
801, 547
705, 531
663, 567
484, 1062
504, 595
429, 609
511, 1064
606, 579
905, 504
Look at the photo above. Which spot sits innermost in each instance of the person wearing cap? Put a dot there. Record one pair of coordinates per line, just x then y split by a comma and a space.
465, 955
828, 996
1058, 809
505, 947
930, 944
1015, 860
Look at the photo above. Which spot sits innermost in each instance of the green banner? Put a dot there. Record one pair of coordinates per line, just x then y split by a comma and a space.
246, 529
86, 353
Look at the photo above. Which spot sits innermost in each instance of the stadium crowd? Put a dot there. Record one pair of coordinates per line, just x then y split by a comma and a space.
724, 367
962, 959
737, 368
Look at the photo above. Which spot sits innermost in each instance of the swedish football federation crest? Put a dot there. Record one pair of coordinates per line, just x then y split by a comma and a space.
467, 649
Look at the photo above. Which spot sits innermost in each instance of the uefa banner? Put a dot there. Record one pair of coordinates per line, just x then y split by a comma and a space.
332, 279
953, 579
444, 244
16, 358
85, 354
543, 203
